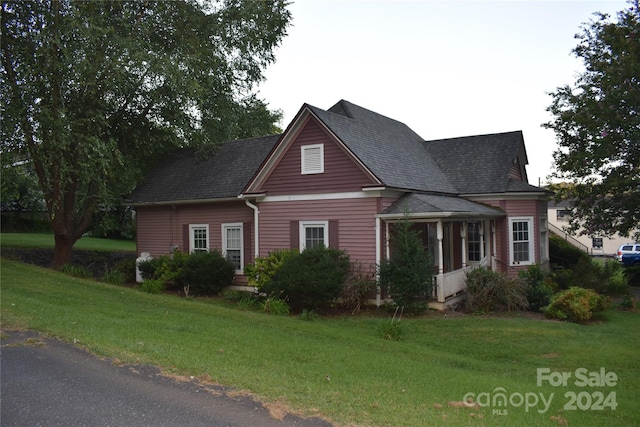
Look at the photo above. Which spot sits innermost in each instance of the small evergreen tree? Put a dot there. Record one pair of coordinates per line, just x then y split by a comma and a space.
409, 271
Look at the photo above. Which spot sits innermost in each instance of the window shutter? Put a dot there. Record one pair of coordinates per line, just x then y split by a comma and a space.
185, 238
246, 244
294, 235
334, 242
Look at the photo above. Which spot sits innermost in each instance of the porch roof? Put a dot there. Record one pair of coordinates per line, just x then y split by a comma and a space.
438, 206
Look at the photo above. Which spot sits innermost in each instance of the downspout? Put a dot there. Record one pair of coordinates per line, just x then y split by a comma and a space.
378, 259
256, 218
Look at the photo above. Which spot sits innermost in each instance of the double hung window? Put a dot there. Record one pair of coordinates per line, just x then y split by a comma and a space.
232, 239
199, 237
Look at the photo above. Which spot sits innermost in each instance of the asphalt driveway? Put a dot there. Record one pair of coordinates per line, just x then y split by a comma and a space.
46, 382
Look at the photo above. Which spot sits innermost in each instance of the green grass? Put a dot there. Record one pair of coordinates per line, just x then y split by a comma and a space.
45, 240
373, 381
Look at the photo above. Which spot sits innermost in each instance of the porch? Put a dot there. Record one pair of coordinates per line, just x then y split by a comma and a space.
458, 234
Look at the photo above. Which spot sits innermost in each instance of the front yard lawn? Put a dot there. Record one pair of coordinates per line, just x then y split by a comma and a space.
340, 367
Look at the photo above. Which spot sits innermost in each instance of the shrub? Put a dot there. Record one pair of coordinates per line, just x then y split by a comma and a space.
360, 284
263, 269
540, 286
273, 305
311, 279
489, 290
203, 273
563, 253
153, 286
127, 267
563, 277
632, 274
408, 273
206, 273
149, 267
616, 280
309, 315
244, 300
76, 271
606, 279
114, 277
576, 305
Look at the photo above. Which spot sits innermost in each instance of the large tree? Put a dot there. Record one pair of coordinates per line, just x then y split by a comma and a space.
93, 91
597, 126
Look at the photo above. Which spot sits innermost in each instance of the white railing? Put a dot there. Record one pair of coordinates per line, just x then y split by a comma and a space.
448, 284
453, 282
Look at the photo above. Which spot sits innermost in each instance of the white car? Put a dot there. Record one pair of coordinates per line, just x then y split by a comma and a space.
627, 248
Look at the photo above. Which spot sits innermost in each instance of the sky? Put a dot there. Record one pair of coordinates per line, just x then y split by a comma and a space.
444, 68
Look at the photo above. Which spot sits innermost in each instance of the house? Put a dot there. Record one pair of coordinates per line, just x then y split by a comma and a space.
341, 177
559, 214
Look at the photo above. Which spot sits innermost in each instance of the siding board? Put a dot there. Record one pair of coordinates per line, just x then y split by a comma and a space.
341, 172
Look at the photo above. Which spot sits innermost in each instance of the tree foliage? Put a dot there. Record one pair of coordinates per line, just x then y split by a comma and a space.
94, 92
408, 273
597, 126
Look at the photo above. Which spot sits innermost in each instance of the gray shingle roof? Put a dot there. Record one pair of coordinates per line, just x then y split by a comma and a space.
186, 176
480, 164
426, 204
389, 148
394, 153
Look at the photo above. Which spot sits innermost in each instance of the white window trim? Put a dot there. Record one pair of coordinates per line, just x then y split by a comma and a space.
532, 254
315, 224
192, 228
544, 238
226, 226
303, 159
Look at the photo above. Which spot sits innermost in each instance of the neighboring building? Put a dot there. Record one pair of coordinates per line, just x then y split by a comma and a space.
341, 178
559, 216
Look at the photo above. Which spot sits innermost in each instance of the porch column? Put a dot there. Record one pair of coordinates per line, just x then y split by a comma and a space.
481, 231
440, 234
463, 235
493, 245
440, 279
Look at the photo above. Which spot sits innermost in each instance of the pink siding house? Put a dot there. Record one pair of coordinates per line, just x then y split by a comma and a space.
341, 177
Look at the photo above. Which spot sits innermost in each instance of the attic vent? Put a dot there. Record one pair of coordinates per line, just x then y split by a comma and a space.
312, 159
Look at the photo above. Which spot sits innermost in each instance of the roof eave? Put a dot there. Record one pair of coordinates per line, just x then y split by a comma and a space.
181, 202
441, 215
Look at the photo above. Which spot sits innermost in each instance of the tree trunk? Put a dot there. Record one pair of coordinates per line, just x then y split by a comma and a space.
62, 250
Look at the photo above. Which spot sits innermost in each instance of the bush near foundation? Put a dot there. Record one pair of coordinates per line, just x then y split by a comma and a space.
311, 279
200, 273
576, 305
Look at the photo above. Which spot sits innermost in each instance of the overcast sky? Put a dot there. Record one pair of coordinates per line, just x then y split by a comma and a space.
445, 69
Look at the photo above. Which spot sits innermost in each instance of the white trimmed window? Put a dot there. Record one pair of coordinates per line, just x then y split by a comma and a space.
314, 234
521, 249
232, 239
199, 237
312, 157
473, 241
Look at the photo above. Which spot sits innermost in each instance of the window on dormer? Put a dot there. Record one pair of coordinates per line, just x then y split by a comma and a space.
312, 159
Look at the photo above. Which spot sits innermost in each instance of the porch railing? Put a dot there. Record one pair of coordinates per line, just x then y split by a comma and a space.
451, 283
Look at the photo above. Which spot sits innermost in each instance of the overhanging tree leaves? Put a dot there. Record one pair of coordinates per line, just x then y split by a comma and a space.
93, 92
597, 126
